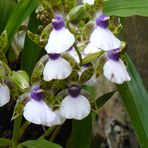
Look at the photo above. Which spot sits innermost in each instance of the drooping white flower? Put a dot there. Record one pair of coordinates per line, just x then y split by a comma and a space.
114, 69
90, 2
58, 119
56, 68
102, 38
75, 105
4, 95
60, 38
36, 110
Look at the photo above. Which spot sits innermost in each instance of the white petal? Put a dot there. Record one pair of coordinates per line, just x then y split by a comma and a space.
104, 39
4, 95
74, 54
77, 108
116, 71
90, 48
38, 112
56, 69
90, 2
58, 119
59, 41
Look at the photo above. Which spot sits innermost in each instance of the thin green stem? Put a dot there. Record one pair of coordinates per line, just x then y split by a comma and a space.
48, 132
56, 131
78, 52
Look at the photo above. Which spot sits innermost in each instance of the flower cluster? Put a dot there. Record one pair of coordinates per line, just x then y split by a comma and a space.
74, 105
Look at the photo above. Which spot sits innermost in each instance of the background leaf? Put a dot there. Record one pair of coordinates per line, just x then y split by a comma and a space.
31, 51
6, 8
21, 11
135, 98
5, 142
126, 8
81, 133
41, 143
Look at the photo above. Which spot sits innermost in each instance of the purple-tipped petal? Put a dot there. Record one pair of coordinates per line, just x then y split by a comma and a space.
37, 93
114, 54
58, 23
54, 56
74, 90
102, 21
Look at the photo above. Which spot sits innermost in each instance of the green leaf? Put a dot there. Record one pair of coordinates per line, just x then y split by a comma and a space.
31, 52
21, 11
6, 8
45, 35
3, 40
135, 98
126, 8
92, 57
41, 143
103, 99
87, 74
81, 133
34, 37
4, 69
5, 142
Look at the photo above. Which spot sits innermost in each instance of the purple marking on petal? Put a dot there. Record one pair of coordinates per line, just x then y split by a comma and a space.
70, 49
86, 65
54, 56
37, 93
74, 90
102, 21
58, 23
114, 54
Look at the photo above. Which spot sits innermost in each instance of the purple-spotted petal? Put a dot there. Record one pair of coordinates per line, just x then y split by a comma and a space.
116, 71
102, 21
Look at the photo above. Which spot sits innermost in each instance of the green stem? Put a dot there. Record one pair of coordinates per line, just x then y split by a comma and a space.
56, 131
78, 52
48, 132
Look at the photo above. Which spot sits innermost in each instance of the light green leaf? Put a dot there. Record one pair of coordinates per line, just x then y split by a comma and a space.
41, 143
81, 133
135, 98
3, 40
92, 57
126, 8
34, 37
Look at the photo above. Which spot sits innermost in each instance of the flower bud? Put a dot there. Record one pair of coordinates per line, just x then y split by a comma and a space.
21, 79
77, 13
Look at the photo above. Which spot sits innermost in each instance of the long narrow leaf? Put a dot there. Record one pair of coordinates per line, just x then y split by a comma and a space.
135, 98
5, 142
31, 51
126, 7
81, 133
22, 10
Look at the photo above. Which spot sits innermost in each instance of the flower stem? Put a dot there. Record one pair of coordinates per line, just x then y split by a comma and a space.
78, 52
56, 131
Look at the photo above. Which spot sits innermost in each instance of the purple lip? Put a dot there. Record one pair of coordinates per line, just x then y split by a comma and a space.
58, 23
114, 54
74, 90
102, 21
54, 56
37, 93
